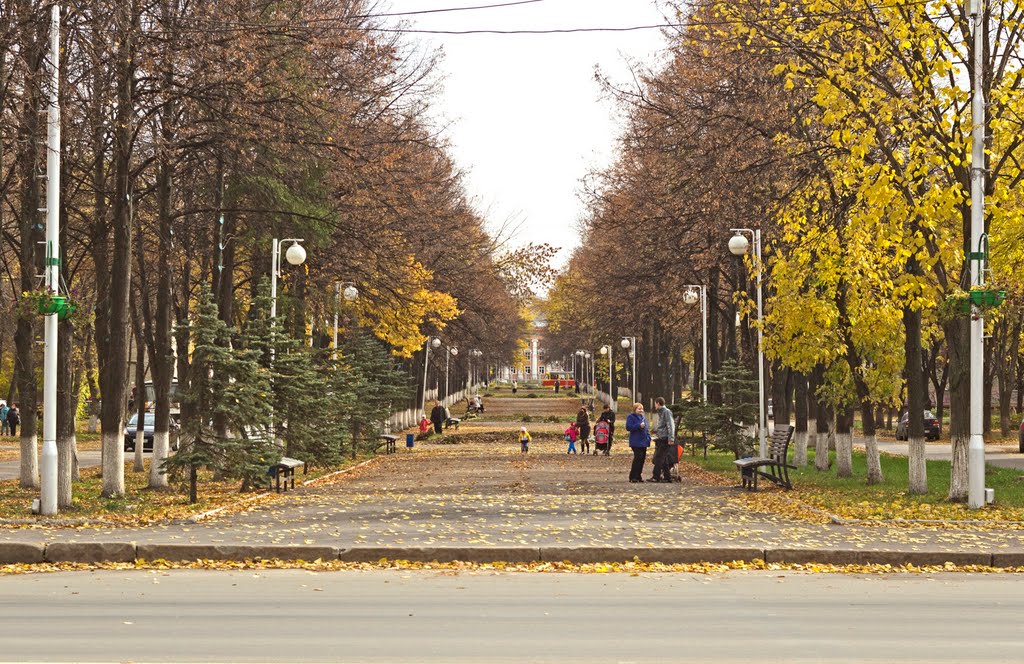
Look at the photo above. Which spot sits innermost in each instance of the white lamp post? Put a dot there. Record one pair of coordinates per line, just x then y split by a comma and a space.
691, 296
472, 367
590, 369
48, 465
629, 344
435, 343
738, 245
609, 351
447, 361
295, 255
351, 294
976, 442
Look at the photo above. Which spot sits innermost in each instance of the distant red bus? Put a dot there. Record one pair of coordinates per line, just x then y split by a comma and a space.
564, 378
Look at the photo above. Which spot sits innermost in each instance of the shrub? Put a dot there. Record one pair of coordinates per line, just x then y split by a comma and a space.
531, 395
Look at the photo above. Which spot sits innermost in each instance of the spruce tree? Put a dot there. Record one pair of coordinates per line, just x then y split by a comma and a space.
227, 385
726, 424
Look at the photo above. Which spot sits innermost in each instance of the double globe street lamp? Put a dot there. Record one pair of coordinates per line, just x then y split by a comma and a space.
738, 246
693, 294
608, 350
629, 345
435, 343
351, 294
295, 255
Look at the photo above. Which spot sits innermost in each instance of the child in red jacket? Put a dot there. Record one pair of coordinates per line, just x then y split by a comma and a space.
571, 434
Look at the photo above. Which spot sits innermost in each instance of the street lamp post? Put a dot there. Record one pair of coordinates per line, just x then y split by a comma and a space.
435, 343
447, 362
694, 293
48, 466
738, 245
590, 371
295, 255
629, 345
351, 294
609, 351
473, 368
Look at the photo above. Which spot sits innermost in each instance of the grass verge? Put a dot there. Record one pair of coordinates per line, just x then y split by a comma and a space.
139, 505
852, 498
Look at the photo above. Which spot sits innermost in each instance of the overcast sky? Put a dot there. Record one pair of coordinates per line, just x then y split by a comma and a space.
528, 118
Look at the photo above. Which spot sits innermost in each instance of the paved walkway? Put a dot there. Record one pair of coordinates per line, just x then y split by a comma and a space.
481, 494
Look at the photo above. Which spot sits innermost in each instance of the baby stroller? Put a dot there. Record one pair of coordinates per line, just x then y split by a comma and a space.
675, 455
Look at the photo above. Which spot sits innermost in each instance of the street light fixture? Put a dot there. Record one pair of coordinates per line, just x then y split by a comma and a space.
435, 343
629, 344
295, 255
738, 245
474, 353
609, 350
691, 296
351, 294
451, 351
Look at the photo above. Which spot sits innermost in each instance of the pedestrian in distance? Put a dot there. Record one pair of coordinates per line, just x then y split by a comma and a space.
557, 383
608, 415
424, 423
524, 440
571, 434
437, 416
664, 436
583, 424
639, 441
515, 386
14, 419
4, 427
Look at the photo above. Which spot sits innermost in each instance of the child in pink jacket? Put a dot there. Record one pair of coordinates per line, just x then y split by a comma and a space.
571, 434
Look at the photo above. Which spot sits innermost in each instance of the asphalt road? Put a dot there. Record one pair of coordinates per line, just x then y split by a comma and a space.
396, 616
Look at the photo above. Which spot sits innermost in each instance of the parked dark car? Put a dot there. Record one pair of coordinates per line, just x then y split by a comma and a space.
148, 425
1020, 437
932, 428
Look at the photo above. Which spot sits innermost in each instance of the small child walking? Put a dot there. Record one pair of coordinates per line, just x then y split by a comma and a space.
524, 440
571, 434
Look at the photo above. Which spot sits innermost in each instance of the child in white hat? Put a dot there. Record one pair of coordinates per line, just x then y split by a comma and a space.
524, 440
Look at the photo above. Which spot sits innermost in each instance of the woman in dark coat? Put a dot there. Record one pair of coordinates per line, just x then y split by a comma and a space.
608, 415
583, 422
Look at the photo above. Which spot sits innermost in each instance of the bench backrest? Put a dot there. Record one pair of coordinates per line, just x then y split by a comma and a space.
778, 445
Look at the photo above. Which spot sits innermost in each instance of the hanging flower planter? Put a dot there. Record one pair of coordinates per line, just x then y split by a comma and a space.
962, 304
45, 303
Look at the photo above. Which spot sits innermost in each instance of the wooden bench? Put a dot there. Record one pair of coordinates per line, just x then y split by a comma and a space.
775, 463
388, 442
285, 468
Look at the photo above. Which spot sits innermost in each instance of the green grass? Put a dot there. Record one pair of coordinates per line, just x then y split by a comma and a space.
852, 497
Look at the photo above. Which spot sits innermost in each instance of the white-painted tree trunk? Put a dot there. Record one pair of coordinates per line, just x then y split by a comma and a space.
958, 479
75, 471
873, 458
94, 423
800, 451
917, 469
812, 435
29, 463
140, 443
844, 454
161, 449
113, 462
821, 448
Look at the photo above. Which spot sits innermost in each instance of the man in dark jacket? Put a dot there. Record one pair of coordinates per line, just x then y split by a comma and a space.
664, 435
437, 416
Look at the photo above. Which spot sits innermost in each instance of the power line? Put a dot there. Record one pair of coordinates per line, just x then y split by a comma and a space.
454, 9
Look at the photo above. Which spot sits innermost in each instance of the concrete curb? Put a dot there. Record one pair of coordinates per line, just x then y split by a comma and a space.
121, 552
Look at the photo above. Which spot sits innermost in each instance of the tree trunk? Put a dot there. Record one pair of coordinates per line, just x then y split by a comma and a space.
844, 442
917, 468
821, 460
871, 442
800, 417
957, 338
114, 356
140, 395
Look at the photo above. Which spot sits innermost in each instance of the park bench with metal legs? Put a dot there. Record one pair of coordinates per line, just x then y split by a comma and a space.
387, 441
285, 469
774, 466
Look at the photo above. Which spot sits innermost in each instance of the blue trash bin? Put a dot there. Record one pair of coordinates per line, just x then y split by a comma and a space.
409, 438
